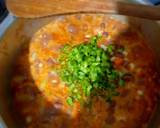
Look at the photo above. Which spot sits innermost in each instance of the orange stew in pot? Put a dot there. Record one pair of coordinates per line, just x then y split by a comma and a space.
85, 71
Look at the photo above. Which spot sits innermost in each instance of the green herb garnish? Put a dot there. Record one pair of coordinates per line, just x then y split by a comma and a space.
69, 101
88, 71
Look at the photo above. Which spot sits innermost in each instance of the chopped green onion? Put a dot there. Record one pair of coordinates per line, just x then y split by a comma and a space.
86, 67
121, 82
69, 101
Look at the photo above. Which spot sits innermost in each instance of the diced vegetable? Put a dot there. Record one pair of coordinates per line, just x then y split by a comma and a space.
69, 101
86, 67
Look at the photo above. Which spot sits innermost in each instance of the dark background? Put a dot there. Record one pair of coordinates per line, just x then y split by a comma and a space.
3, 11
156, 2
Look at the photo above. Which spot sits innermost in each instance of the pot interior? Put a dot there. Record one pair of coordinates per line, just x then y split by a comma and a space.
21, 31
